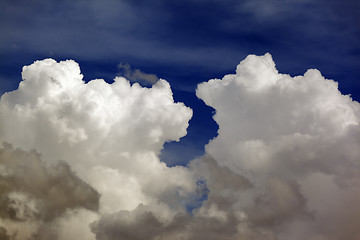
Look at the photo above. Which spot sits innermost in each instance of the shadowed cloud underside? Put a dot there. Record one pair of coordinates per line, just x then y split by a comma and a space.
284, 144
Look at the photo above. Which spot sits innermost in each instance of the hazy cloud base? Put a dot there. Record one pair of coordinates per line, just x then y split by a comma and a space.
285, 163
33, 193
296, 140
110, 134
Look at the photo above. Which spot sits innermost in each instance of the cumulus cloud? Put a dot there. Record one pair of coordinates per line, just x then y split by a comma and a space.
136, 75
285, 163
296, 140
142, 223
33, 191
110, 134
284, 145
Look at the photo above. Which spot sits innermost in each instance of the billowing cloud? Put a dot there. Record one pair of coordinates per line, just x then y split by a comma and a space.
110, 134
182, 226
34, 192
136, 75
296, 140
285, 163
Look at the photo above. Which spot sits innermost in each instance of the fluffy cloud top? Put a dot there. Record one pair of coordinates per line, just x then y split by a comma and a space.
52, 95
110, 134
296, 139
285, 164
285, 145
263, 114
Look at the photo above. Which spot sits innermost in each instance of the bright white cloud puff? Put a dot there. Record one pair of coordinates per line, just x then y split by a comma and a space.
110, 134
285, 163
296, 139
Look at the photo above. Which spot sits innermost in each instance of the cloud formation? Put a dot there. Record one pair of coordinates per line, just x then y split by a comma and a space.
110, 134
181, 226
31, 191
285, 164
136, 75
296, 140
285, 144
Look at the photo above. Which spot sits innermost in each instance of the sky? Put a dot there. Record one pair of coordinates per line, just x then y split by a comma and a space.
193, 119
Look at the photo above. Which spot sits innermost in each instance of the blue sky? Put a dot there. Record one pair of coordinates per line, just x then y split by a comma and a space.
270, 151
185, 42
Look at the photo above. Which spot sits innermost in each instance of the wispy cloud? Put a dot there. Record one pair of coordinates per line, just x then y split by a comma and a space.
136, 75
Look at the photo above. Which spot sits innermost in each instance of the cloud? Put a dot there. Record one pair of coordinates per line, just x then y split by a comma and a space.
295, 140
31, 191
136, 75
127, 225
110, 134
234, 209
3, 234
284, 145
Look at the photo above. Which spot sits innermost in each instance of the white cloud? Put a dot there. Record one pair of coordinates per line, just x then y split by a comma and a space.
296, 140
110, 134
285, 144
285, 163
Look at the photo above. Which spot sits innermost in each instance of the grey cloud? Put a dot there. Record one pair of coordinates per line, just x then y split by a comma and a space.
136, 75
223, 216
32, 190
221, 181
45, 231
281, 202
136, 225
258, 208
4, 235
33, 195
222, 176
143, 224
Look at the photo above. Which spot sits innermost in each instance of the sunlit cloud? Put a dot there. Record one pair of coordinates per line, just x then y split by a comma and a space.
284, 165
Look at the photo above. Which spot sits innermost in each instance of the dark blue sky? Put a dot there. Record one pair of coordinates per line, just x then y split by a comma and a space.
185, 42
